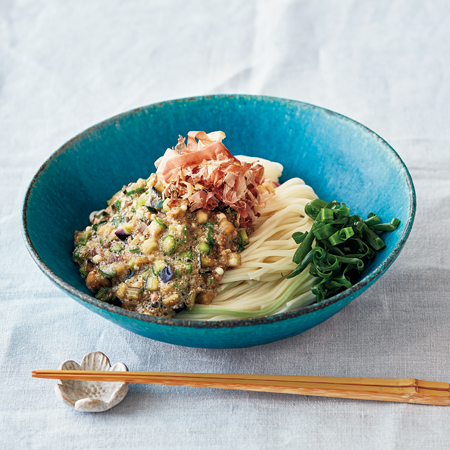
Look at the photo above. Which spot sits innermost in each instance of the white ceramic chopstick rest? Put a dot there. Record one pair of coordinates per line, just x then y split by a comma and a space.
91, 396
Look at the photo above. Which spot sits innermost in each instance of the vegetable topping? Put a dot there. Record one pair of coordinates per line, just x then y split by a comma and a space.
160, 246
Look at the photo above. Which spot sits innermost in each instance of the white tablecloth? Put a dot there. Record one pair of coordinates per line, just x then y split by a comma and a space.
67, 65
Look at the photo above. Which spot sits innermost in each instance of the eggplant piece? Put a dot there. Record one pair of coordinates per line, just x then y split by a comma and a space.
129, 274
180, 308
121, 234
166, 274
117, 302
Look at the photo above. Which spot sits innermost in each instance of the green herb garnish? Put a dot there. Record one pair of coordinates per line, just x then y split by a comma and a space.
209, 236
135, 191
242, 240
344, 245
103, 294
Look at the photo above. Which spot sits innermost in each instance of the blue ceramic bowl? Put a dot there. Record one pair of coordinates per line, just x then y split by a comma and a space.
341, 159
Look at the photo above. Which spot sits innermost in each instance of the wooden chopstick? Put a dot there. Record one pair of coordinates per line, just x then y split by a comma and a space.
408, 390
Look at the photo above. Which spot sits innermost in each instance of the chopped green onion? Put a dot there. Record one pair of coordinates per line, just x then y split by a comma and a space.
168, 244
373, 239
372, 220
209, 238
343, 211
344, 244
341, 236
135, 191
302, 264
103, 294
313, 208
304, 249
359, 227
389, 227
243, 237
160, 223
326, 215
324, 231
299, 237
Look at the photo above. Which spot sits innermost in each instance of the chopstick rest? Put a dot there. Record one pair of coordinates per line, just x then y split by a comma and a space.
407, 390
92, 395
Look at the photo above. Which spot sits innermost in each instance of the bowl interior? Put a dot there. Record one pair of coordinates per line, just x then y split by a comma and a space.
338, 157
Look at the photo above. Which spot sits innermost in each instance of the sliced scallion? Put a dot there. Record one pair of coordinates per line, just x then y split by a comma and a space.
344, 244
160, 223
135, 191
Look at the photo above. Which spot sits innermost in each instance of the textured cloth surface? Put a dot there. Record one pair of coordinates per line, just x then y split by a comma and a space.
65, 66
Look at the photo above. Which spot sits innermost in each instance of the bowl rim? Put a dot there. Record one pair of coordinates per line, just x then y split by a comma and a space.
233, 322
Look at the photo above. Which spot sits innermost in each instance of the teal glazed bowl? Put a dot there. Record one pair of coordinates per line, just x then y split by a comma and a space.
340, 158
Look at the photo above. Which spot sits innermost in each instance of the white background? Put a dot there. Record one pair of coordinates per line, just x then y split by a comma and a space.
67, 65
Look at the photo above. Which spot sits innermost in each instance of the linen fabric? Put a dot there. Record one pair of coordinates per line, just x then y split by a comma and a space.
65, 66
